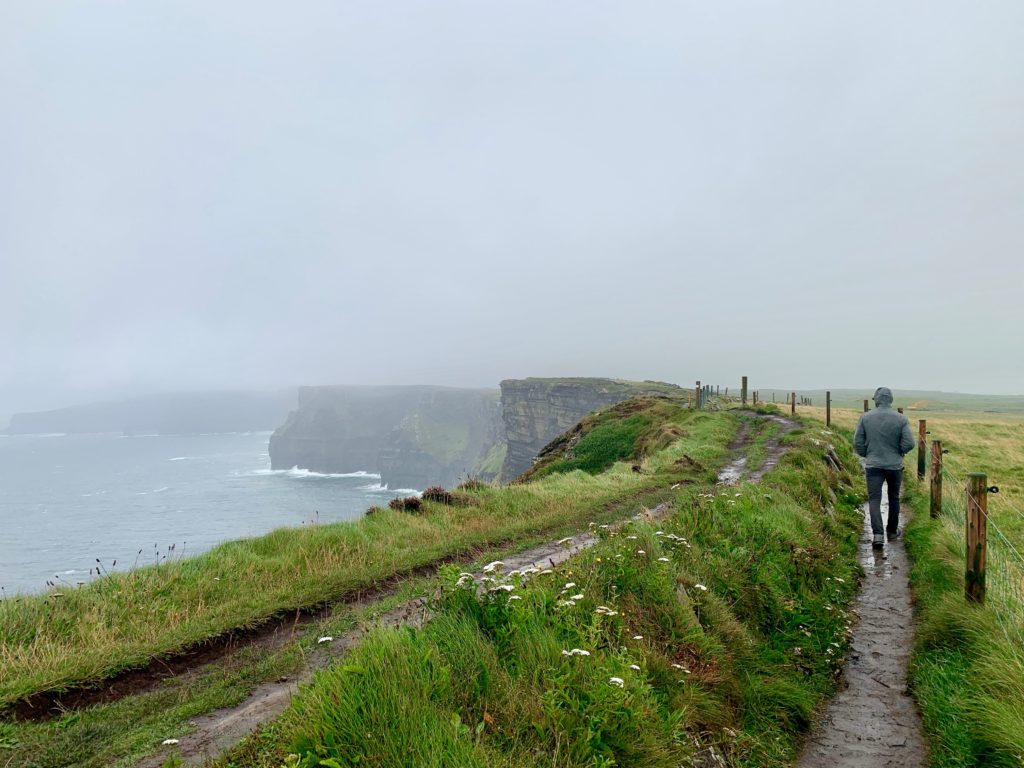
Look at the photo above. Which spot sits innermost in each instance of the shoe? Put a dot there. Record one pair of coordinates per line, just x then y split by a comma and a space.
893, 535
878, 541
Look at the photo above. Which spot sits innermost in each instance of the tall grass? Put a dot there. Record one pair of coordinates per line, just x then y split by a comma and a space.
720, 630
74, 636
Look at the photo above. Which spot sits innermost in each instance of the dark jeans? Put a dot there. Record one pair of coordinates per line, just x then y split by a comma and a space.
892, 478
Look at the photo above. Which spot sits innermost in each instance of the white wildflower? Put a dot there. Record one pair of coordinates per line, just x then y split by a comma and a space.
635, 667
492, 567
701, 587
325, 639
617, 681
664, 560
169, 742
576, 652
638, 637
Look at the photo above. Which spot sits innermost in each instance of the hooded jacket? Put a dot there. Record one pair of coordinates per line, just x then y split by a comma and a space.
883, 435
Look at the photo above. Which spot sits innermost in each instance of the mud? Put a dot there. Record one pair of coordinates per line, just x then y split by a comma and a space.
874, 722
736, 471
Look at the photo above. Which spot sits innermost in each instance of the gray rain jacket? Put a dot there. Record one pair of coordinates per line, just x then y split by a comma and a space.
883, 435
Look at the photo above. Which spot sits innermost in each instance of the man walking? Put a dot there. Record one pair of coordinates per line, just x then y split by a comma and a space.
883, 438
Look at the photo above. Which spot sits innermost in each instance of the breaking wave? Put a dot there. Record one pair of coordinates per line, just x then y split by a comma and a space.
303, 473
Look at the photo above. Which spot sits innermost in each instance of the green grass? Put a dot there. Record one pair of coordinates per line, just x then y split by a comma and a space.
76, 636
731, 611
628, 431
966, 674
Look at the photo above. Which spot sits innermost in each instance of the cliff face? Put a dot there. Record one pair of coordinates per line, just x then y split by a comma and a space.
535, 411
419, 436
412, 436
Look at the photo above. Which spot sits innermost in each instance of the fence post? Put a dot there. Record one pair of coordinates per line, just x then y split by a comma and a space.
828, 408
792, 404
696, 394
922, 430
900, 410
936, 501
755, 397
743, 390
865, 405
977, 518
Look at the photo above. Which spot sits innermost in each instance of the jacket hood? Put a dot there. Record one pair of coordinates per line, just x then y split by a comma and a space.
883, 396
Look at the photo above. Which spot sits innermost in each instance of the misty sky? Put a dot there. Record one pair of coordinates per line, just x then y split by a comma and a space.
254, 194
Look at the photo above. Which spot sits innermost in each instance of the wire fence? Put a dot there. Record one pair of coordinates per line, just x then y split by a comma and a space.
1004, 564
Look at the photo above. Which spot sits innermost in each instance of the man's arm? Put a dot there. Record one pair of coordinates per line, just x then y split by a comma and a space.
907, 441
860, 439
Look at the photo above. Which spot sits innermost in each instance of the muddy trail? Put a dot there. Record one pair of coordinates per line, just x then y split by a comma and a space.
873, 722
215, 733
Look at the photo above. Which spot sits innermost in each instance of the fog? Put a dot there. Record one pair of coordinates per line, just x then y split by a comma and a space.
203, 195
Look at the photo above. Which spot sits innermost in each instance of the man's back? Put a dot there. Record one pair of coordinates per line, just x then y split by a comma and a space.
883, 436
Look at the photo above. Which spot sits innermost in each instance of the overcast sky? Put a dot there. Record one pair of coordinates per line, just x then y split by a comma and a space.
254, 194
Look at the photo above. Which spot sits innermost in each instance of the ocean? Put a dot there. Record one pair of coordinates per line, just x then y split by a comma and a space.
68, 501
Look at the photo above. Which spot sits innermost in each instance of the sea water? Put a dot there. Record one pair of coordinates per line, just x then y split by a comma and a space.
72, 504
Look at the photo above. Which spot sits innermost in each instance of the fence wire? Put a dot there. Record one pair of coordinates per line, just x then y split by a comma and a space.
1004, 571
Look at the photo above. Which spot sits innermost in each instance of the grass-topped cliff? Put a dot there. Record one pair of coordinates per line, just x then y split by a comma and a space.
717, 626
535, 411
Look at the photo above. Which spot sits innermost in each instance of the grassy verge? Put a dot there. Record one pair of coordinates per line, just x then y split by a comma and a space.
77, 636
719, 629
966, 674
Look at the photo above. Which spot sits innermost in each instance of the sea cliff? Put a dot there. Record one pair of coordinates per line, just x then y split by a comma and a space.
417, 436
535, 411
413, 436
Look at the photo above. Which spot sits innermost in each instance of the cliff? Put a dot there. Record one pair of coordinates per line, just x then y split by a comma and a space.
413, 436
418, 436
535, 411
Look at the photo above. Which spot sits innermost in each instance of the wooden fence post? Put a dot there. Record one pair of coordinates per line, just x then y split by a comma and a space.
865, 405
792, 404
900, 410
922, 430
936, 500
828, 408
743, 390
697, 393
977, 518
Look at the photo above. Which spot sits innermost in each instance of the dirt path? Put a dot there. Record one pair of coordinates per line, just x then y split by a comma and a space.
215, 733
873, 722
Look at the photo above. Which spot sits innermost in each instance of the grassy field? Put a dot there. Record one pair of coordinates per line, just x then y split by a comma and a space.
968, 669
76, 636
718, 631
